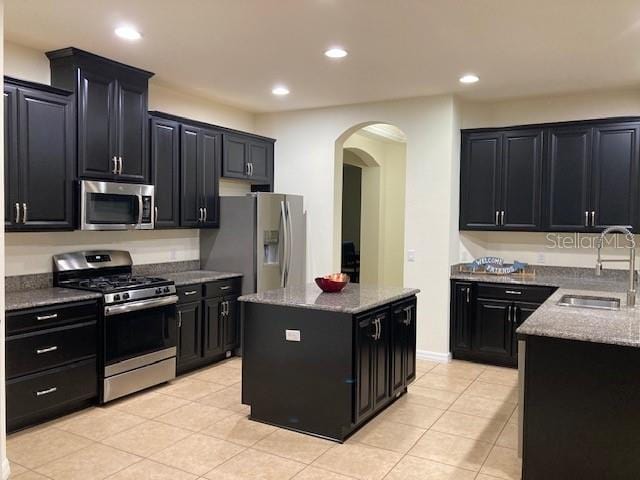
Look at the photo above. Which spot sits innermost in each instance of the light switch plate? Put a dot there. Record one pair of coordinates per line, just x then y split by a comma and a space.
292, 335
411, 255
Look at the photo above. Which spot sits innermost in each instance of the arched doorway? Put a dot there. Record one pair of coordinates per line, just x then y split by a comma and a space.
370, 203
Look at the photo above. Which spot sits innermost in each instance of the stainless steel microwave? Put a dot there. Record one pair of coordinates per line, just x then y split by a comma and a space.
116, 206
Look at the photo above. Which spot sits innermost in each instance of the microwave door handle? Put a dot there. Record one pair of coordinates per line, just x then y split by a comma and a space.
140, 210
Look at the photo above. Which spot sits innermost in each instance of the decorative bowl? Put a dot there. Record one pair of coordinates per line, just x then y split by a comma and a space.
332, 283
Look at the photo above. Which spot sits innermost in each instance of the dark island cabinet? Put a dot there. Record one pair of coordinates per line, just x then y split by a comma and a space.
165, 167
484, 318
51, 361
403, 345
112, 114
247, 158
573, 176
208, 323
39, 157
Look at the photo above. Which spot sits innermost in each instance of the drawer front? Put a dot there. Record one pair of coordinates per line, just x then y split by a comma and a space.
189, 293
514, 292
34, 396
222, 288
47, 317
32, 352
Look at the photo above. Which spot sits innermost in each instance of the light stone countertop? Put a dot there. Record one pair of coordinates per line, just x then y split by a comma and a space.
355, 298
44, 297
192, 277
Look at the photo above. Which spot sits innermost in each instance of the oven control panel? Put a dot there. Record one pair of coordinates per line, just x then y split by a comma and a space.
140, 294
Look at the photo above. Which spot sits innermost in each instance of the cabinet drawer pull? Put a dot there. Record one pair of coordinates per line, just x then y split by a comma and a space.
502, 218
40, 351
51, 316
46, 392
17, 213
226, 287
179, 318
513, 292
468, 294
586, 219
593, 219
497, 217
190, 292
24, 213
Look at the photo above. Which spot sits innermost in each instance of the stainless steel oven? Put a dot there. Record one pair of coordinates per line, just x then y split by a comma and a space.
116, 206
139, 345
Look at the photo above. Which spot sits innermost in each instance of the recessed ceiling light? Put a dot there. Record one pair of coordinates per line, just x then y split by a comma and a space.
128, 33
280, 90
336, 52
469, 78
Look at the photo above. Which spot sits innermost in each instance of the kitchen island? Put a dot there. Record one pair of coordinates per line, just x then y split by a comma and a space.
326, 363
579, 390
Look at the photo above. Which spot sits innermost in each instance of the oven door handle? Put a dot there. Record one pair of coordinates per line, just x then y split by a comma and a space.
140, 305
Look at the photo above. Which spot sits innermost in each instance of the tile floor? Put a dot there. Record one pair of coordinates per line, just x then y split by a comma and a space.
458, 421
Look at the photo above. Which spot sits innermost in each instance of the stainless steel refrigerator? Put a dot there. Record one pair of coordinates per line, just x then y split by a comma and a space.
262, 236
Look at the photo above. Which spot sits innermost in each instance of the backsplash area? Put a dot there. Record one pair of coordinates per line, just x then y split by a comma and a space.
30, 253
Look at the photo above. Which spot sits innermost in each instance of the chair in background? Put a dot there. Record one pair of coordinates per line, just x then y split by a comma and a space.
351, 261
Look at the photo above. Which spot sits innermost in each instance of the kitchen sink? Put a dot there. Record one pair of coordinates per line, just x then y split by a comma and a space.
587, 301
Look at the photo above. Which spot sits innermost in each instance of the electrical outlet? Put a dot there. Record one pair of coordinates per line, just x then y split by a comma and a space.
411, 255
541, 259
292, 335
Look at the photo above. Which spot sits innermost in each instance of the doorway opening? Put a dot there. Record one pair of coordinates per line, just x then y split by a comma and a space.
370, 203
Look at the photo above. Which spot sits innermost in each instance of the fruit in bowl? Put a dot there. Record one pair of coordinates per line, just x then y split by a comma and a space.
332, 283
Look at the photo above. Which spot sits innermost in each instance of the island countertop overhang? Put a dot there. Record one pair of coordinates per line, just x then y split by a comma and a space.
355, 298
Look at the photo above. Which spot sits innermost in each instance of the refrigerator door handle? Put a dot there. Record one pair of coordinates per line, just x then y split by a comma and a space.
283, 278
290, 246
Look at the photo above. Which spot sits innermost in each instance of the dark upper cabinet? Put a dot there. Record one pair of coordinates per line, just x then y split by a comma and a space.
575, 176
200, 172
480, 181
567, 174
521, 173
247, 157
165, 166
112, 114
614, 179
39, 157
11, 200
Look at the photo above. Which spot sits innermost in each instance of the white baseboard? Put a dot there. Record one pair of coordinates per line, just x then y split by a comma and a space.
5, 469
433, 356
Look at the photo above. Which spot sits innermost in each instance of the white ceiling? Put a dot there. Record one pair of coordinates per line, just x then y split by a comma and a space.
234, 51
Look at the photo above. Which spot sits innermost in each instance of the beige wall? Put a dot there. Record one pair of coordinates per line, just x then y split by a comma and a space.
539, 248
306, 156
383, 196
31, 253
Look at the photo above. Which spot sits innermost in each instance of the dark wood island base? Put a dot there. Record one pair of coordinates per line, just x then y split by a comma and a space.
326, 373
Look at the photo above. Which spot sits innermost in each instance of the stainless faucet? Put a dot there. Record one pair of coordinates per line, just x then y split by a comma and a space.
631, 293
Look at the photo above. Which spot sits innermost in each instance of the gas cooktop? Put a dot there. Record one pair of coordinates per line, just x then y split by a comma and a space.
114, 283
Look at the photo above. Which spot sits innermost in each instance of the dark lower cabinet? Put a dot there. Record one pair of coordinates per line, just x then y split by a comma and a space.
208, 323
189, 334
485, 317
51, 366
39, 157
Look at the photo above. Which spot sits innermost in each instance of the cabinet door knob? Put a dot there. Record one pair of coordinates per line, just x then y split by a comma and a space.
17, 213
593, 218
24, 213
497, 217
586, 219
205, 214
114, 168
121, 164
179, 318
502, 218
468, 294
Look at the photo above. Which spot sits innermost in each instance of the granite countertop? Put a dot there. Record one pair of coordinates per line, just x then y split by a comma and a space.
45, 296
197, 276
613, 327
355, 298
